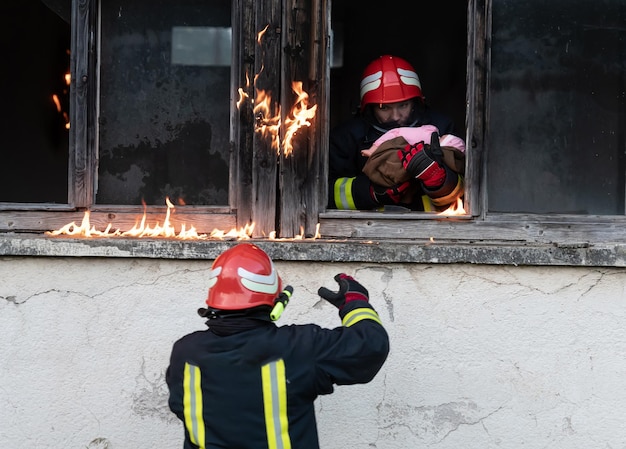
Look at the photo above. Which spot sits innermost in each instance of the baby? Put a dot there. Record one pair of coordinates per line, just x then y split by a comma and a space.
384, 168
415, 135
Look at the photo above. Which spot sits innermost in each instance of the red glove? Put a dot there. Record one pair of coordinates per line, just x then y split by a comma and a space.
349, 290
422, 161
391, 195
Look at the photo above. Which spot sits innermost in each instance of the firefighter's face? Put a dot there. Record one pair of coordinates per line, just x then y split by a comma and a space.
394, 113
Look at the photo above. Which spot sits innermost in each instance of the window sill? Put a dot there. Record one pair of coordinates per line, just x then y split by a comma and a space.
523, 229
325, 250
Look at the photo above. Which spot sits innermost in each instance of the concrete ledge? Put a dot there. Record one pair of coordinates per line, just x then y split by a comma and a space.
384, 251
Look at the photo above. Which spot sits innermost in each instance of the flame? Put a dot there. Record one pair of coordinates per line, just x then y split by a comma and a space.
454, 209
67, 77
272, 235
57, 102
241, 234
266, 124
301, 116
242, 97
141, 229
268, 121
260, 34
166, 230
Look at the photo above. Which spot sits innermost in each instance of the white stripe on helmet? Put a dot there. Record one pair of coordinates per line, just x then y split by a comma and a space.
213, 275
409, 77
371, 82
258, 282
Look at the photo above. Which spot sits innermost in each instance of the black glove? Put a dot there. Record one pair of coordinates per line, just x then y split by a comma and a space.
424, 162
388, 195
349, 290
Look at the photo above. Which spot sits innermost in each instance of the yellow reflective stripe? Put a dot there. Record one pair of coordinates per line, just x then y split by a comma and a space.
343, 194
428, 204
357, 315
275, 405
192, 405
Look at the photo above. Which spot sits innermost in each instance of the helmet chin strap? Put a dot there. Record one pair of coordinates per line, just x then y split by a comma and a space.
257, 313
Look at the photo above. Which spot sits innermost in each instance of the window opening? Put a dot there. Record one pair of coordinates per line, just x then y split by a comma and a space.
436, 46
35, 99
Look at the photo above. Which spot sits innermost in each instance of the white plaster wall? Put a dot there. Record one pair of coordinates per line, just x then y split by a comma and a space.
481, 356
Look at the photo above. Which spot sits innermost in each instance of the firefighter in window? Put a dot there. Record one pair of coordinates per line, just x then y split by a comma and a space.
396, 153
246, 382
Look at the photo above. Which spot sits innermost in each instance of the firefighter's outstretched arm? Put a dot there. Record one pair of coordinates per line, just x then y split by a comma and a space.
363, 345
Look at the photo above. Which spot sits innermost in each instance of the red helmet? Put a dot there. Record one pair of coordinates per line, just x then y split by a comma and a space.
243, 277
389, 79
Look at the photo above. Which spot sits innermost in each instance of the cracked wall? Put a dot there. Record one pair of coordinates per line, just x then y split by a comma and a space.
481, 356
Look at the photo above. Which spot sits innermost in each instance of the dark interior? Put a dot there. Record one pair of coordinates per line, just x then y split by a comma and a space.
34, 41
433, 40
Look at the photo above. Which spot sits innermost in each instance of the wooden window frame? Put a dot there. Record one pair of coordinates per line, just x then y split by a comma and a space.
288, 194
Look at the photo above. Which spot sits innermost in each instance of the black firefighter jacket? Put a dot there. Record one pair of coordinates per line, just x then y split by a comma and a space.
256, 389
